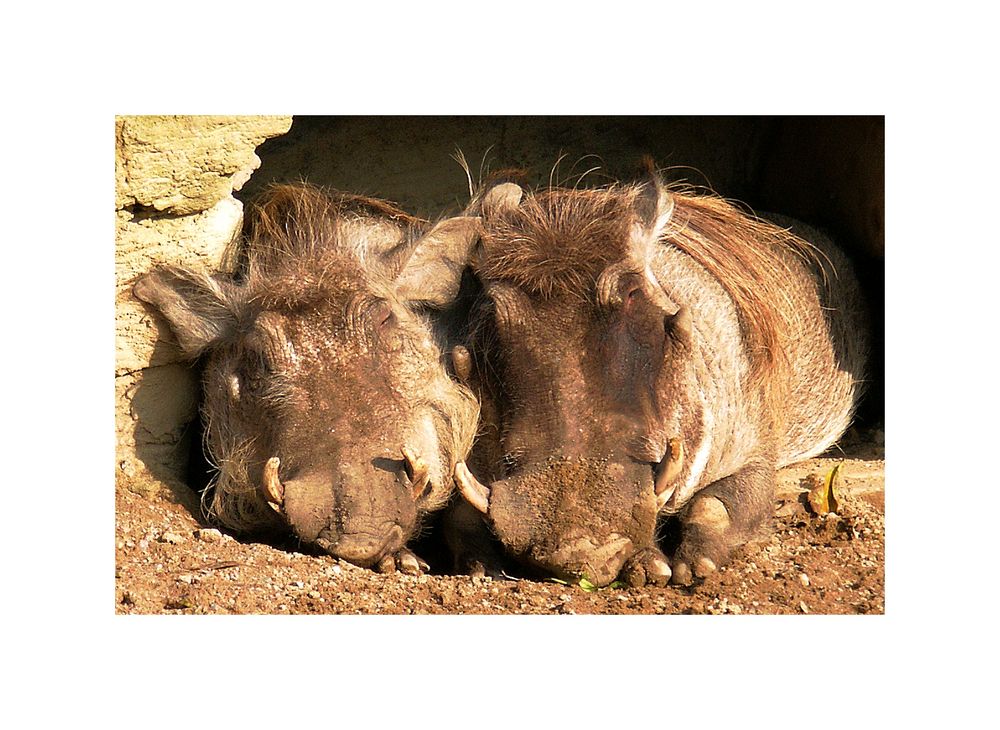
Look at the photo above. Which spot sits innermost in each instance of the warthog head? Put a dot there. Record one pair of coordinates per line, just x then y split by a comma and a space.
577, 349
327, 406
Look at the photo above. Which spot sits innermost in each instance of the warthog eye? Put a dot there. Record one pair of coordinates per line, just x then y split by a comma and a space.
381, 315
632, 297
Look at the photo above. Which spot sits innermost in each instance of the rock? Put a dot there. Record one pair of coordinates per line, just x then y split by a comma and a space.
172, 538
208, 535
186, 164
804, 579
174, 178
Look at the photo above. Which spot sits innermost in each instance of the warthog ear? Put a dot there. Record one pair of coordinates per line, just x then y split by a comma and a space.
432, 274
499, 198
654, 204
196, 305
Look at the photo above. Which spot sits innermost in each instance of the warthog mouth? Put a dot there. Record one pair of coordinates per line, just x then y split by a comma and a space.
362, 548
581, 558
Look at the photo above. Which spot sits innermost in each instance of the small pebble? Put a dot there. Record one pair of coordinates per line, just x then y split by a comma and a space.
208, 535
172, 538
185, 578
313, 594
804, 607
804, 579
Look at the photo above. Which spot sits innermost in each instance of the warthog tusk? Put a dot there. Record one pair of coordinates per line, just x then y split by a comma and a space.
470, 487
417, 470
274, 491
668, 470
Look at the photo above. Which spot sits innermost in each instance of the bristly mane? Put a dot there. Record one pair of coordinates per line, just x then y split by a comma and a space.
292, 247
744, 254
558, 241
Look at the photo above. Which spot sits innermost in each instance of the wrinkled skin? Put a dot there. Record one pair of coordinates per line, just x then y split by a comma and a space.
575, 494
328, 410
621, 376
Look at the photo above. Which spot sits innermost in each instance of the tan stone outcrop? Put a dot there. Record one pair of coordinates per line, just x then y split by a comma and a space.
174, 183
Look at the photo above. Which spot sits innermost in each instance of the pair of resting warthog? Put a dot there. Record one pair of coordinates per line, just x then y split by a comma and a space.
558, 369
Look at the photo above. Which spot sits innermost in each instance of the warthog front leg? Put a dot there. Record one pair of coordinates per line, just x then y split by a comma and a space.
720, 518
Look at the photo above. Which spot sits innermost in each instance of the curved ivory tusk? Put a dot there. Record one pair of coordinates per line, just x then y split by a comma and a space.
417, 470
668, 470
274, 491
474, 492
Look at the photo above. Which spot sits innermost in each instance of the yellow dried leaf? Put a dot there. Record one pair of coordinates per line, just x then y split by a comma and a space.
823, 497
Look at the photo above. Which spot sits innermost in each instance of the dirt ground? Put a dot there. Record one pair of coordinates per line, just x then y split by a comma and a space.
168, 561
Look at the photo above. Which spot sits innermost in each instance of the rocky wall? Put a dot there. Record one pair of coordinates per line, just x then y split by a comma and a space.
174, 183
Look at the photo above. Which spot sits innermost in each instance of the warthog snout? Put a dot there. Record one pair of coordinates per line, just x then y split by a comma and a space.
599, 563
345, 513
575, 518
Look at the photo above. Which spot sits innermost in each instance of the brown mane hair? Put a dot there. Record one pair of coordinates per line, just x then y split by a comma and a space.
749, 258
291, 250
558, 241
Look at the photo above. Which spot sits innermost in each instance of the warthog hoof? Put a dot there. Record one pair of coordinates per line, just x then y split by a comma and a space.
404, 561
646, 567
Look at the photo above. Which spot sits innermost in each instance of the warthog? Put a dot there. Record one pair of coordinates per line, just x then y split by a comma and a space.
327, 406
643, 352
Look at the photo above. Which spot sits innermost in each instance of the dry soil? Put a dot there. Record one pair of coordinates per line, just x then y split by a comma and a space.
168, 561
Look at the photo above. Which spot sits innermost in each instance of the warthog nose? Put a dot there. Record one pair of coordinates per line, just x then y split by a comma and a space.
363, 548
598, 563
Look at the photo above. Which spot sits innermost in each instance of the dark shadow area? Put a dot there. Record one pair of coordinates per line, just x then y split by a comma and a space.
165, 449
